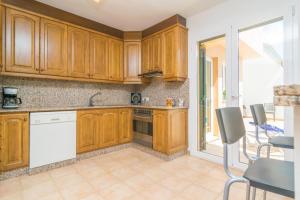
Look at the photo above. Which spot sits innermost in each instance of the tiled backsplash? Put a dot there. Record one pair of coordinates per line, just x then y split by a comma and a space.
158, 90
56, 93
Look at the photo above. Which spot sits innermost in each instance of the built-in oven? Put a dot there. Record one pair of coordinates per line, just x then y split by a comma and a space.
143, 126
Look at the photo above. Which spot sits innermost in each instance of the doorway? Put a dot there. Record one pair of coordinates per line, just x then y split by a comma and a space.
212, 92
261, 68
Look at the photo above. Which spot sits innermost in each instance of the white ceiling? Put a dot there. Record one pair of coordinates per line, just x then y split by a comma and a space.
131, 15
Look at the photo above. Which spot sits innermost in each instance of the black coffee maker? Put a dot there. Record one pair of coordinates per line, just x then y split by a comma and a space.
10, 99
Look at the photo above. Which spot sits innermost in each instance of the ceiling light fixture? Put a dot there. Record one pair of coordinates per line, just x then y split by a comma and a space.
97, 1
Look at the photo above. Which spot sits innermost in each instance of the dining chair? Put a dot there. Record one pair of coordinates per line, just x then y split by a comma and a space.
260, 119
267, 174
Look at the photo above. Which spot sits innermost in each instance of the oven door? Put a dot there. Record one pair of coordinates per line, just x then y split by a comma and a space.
143, 130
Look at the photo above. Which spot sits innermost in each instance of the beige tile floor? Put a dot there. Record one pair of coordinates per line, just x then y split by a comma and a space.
129, 174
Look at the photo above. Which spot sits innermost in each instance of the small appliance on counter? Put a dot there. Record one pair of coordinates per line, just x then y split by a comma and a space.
10, 98
136, 98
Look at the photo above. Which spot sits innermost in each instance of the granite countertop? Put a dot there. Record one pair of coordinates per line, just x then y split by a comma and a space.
287, 95
71, 108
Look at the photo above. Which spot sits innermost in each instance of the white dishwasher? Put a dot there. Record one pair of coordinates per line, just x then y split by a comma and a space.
52, 137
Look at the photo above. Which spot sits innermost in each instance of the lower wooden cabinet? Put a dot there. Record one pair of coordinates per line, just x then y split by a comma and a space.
14, 141
87, 130
170, 130
160, 130
109, 128
103, 128
125, 125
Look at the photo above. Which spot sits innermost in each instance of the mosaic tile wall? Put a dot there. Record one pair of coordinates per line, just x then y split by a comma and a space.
58, 93
158, 90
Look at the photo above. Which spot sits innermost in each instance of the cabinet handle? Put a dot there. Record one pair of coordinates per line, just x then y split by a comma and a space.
25, 119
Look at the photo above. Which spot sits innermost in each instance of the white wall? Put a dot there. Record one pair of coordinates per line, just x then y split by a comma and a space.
223, 19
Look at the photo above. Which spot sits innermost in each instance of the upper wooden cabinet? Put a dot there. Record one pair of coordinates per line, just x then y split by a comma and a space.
14, 141
175, 54
87, 130
170, 130
156, 52
125, 125
99, 67
53, 48
115, 59
22, 42
147, 55
41, 47
166, 51
132, 61
78, 53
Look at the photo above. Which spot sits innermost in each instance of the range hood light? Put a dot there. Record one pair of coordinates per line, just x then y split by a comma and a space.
151, 74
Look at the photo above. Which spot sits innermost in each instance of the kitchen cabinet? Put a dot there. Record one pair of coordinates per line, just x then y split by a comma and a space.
14, 141
109, 128
170, 130
99, 128
160, 130
132, 61
99, 67
87, 130
166, 51
146, 55
125, 125
78, 53
53, 48
175, 54
115, 60
156, 52
22, 42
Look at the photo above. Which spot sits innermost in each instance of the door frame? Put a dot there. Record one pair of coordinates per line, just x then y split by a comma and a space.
226, 32
232, 67
288, 62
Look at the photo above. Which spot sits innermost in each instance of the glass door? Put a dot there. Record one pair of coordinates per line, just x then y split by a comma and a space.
260, 61
212, 93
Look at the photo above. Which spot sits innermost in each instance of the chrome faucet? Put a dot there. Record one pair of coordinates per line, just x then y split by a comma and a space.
91, 102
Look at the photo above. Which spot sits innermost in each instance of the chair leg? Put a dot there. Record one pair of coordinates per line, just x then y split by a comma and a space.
248, 192
265, 195
254, 193
227, 188
228, 185
268, 151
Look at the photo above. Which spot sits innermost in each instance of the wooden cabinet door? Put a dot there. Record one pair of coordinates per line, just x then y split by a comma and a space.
22, 42
87, 130
170, 48
78, 53
177, 135
14, 141
109, 127
132, 61
99, 56
125, 125
146, 55
116, 60
157, 52
53, 48
160, 130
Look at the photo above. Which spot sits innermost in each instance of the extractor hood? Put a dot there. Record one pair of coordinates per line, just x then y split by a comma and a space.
151, 74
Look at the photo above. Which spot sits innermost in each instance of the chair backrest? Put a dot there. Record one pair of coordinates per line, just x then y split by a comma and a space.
231, 124
258, 114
